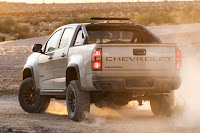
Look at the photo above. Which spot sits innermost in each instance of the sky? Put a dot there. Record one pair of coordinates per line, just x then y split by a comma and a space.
81, 1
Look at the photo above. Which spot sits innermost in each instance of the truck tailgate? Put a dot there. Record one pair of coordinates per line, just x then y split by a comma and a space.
131, 60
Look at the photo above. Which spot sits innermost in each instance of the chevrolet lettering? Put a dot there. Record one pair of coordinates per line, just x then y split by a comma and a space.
138, 58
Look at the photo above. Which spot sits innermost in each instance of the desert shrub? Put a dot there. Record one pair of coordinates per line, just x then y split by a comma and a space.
22, 31
155, 17
83, 19
2, 37
71, 20
145, 19
166, 18
186, 15
190, 15
7, 25
21, 28
35, 22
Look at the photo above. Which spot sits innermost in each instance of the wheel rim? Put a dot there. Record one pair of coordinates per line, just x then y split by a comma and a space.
30, 96
71, 102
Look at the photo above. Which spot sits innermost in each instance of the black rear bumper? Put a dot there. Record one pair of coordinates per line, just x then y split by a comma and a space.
153, 84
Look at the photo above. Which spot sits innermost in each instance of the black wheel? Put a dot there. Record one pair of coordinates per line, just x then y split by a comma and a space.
162, 105
78, 101
30, 99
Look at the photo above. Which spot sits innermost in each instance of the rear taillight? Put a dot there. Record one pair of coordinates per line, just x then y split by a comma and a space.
178, 59
97, 59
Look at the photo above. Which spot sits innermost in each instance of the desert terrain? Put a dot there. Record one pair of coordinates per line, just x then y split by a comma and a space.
22, 20
127, 119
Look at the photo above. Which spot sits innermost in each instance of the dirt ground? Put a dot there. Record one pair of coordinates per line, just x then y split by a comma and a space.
128, 119
125, 120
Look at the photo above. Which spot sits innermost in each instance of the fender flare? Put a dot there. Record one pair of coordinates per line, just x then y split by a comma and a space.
30, 68
73, 65
32, 74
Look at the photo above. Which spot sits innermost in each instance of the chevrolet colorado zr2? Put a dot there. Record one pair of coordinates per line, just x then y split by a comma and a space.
101, 63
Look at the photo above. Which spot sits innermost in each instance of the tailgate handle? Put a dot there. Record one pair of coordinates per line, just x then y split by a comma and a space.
139, 51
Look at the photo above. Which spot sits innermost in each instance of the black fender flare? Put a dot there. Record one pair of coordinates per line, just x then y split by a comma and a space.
32, 74
30, 68
73, 65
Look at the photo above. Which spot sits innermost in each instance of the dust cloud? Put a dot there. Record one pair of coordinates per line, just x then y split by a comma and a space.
57, 108
96, 115
188, 95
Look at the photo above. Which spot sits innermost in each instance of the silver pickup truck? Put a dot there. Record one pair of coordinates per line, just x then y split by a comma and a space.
103, 64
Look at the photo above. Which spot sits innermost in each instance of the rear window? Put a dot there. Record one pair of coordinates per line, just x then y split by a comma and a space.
115, 35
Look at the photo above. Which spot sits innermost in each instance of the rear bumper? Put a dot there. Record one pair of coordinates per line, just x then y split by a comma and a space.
153, 84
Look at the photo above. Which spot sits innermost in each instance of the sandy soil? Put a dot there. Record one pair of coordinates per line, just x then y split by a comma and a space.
127, 119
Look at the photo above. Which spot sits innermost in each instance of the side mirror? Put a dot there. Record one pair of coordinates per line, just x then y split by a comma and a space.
37, 48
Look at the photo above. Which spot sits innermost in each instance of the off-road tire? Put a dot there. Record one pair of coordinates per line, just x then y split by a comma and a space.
30, 99
78, 101
163, 105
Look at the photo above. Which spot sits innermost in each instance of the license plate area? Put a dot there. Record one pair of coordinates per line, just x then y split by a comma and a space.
139, 83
